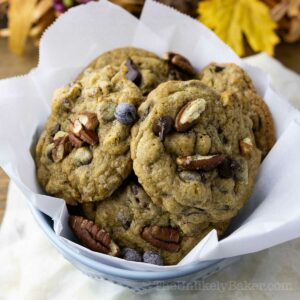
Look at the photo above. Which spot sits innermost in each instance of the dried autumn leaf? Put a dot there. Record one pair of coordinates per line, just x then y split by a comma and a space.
20, 20
231, 19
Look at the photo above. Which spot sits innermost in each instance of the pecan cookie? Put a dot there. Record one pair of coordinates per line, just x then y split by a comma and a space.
134, 221
83, 154
145, 69
193, 154
230, 79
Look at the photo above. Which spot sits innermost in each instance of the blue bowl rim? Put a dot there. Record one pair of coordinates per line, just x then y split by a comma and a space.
113, 271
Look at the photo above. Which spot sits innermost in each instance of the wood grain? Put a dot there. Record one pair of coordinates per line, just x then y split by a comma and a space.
11, 65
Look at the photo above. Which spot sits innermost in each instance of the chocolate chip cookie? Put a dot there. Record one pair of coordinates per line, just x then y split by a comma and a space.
134, 221
83, 154
230, 79
194, 153
145, 69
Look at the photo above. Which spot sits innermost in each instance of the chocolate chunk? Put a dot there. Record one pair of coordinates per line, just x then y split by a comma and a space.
228, 168
133, 73
162, 126
219, 69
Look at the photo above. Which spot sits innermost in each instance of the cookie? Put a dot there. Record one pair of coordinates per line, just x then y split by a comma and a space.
147, 69
231, 79
83, 154
135, 222
194, 153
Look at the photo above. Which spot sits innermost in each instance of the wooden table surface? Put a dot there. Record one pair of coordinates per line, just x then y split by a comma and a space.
11, 65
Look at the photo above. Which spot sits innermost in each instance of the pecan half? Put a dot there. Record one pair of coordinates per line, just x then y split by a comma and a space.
189, 114
92, 236
180, 62
81, 127
246, 146
165, 238
199, 162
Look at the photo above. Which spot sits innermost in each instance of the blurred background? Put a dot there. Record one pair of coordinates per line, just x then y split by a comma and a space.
248, 26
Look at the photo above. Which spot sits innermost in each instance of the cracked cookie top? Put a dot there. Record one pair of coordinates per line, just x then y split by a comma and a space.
194, 152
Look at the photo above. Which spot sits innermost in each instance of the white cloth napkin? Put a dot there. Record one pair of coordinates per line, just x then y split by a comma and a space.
31, 269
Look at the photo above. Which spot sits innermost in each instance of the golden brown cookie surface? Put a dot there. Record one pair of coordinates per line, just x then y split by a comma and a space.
231, 79
134, 221
88, 156
193, 154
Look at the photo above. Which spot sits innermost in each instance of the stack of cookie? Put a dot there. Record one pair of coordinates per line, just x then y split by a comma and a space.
153, 154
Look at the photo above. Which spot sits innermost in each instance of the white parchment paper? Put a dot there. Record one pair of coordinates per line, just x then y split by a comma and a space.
271, 216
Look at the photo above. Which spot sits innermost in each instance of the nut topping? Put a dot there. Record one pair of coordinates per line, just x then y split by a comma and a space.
246, 146
162, 126
58, 153
189, 114
75, 141
92, 236
165, 238
59, 135
81, 128
180, 62
61, 146
199, 162
88, 120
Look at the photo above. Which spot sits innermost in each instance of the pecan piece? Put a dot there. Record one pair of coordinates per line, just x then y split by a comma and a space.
246, 146
199, 162
189, 114
92, 236
88, 120
165, 238
180, 62
62, 146
75, 141
83, 133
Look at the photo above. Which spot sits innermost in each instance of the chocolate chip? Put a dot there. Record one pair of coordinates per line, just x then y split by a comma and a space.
55, 129
133, 73
152, 258
131, 254
125, 113
219, 69
162, 126
228, 168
